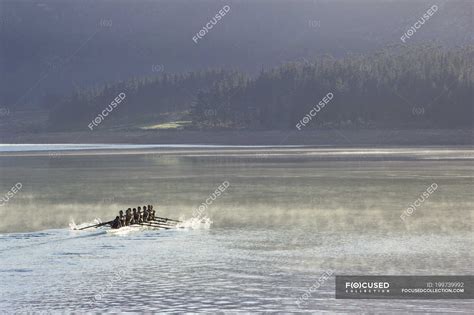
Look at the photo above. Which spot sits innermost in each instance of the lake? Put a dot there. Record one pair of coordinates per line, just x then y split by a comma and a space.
288, 215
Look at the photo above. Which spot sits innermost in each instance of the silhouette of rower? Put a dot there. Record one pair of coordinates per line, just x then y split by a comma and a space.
146, 214
152, 212
128, 216
122, 218
140, 215
136, 216
117, 223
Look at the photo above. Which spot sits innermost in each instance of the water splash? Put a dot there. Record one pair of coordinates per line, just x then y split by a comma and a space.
195, 223
74, 226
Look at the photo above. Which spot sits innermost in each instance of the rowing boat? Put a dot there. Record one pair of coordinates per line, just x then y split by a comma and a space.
158, 223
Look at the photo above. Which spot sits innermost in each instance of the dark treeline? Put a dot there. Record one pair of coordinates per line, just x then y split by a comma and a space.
423, 86
148, 100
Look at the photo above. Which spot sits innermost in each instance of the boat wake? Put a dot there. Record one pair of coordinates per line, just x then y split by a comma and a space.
126, 230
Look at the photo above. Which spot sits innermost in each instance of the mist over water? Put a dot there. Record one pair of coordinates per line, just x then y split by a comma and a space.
329, 189
287, 216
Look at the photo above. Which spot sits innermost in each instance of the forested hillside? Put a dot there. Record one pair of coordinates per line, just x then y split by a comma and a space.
148, 100
52, 46
422, 86
426, 86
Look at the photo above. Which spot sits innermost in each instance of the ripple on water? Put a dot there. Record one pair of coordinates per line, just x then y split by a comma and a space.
16, 270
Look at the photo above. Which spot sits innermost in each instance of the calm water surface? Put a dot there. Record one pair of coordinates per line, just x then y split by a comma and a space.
288, 216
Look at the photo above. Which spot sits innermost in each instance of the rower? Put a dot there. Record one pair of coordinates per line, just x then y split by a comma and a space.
136, 216
117, 223
152, 212
128, 216
140, 215
122, 218
146, 214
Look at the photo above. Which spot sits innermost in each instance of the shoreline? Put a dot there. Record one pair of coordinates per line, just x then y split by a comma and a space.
327, 137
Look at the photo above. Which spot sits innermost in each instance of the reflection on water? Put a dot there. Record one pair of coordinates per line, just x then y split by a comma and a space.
285, 219
218, 269
282, 187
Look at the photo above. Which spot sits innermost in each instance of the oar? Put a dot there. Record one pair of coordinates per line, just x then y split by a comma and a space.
167, 219
95, 225
171, 225
155, 225
163, 222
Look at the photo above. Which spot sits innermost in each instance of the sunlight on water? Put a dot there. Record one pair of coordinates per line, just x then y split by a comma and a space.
284, 219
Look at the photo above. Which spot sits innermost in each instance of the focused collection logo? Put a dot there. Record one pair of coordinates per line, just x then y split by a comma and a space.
367, 287
404, 287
